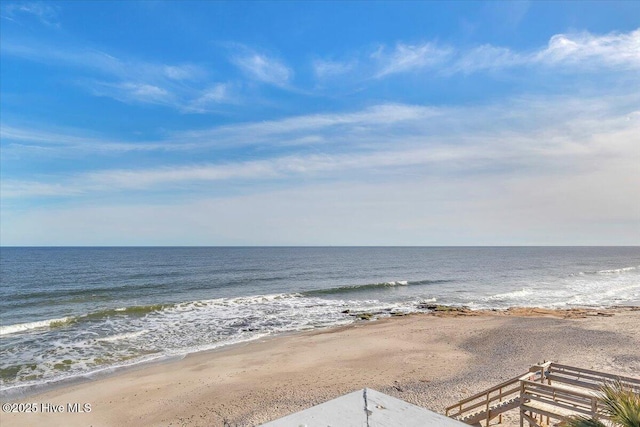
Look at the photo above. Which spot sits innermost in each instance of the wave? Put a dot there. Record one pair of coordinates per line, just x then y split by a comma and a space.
70, 320
524, 292
141, 311
370, 286
86, 293
124, 336
617, 270
610, 271
41, 324
138, 311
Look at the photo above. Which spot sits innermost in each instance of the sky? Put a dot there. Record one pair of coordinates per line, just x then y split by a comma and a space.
319, 123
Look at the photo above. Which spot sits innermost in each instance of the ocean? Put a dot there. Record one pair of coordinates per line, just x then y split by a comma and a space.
73, 313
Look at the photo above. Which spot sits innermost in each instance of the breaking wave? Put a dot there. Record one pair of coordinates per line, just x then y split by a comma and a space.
41, 324
371, 286
610, 271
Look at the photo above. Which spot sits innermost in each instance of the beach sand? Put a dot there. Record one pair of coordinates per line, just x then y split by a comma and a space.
431, 360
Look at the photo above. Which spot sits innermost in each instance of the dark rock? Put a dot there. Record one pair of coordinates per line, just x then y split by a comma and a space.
364, 316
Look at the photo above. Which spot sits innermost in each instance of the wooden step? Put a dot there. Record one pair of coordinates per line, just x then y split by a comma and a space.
494, 411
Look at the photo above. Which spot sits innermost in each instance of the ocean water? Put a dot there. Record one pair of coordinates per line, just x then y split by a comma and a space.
68, 313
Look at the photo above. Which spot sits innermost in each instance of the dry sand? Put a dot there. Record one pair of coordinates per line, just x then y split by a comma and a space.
429, 360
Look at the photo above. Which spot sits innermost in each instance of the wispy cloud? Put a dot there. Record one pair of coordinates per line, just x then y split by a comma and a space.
22, 140
377, 127
301, 130
585, 49
185, 87
574, 52
133, 92
485, 57
534, 134
217, 94
312, 129
183, 72
326, 68
529, 170
277, 168
46, 13
261, 67
188, 87
405, 57
39, 189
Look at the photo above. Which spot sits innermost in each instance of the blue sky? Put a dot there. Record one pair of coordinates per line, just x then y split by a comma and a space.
320, 123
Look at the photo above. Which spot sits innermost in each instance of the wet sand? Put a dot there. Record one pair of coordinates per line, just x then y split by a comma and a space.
431, 360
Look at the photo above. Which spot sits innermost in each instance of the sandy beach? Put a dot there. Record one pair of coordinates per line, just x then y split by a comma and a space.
431, 360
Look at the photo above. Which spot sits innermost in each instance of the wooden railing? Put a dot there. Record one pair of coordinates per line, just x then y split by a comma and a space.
586, 378
479, 406
550, 390
538, 400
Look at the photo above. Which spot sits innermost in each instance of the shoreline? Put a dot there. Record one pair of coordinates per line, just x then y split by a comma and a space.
436, 310
304, 366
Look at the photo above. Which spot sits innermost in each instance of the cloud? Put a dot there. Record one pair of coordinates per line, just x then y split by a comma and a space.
485, 57
187, 88
220, 93
278, 168
377, 127
262, 67
297, 131
405, 57
573, 52
413, 210
308, 129
325, 69
556, 136
184, 87
46, 13
39, 189
133, 92
534, 170
20, 141
611, 50
21, 134
183, 72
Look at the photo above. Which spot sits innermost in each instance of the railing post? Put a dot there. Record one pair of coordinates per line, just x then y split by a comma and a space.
500, 400
521, 402
488, 414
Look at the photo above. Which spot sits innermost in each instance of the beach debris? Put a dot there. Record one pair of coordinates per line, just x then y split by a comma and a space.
396, 386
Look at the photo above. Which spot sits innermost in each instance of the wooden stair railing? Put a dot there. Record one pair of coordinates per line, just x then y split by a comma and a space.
550, 390
490, 403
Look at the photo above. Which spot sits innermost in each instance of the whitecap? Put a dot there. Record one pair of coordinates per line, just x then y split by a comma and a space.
23, 327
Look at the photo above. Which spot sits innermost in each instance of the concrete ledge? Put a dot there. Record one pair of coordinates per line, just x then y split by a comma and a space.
365, 408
